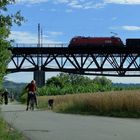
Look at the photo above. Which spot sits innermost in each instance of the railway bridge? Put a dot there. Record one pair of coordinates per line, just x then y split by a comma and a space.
105, 61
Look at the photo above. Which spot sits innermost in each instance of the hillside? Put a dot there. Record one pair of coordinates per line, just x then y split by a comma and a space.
14, 87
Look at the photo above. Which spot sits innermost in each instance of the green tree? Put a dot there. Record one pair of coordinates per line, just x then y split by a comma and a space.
65, 83
64, 79
6, 22
103, 81
54, 81
76, 79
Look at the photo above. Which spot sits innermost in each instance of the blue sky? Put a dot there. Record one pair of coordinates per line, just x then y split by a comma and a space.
63, 19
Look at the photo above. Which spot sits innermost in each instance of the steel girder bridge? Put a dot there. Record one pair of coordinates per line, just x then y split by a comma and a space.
107, 61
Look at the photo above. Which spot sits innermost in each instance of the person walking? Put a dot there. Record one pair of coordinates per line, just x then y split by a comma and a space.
31, 89
5, 96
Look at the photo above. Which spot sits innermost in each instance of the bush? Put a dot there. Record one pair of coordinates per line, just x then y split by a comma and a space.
23, 98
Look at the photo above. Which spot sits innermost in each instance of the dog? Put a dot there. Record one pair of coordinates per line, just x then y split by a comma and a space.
50, 103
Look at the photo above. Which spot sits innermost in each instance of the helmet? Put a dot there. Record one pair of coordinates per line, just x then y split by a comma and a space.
33, 81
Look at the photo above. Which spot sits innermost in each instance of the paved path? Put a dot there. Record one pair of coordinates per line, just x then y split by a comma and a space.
46, 125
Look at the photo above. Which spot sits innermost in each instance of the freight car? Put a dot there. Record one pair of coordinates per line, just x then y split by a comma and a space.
80, 41
133, 42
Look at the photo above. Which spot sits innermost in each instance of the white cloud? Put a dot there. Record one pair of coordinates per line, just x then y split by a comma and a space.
126, 27
77, 4
31, 1
82, 4
27, 37
23, 37
123, 1
54, 33
131, 28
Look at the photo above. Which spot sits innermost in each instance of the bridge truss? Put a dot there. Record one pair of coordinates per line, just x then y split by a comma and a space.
108, 61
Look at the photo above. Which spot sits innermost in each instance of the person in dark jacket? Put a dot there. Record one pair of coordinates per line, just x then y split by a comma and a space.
5, 96
31, 89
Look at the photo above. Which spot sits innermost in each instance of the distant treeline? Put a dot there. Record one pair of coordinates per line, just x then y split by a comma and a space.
71, 83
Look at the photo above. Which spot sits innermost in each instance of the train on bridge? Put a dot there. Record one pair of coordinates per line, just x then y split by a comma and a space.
88, 42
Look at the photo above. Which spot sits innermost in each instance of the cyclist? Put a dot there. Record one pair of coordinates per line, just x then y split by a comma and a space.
31, 89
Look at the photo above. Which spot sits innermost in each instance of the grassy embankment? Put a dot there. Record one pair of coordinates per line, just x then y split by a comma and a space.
8, 133
116, 103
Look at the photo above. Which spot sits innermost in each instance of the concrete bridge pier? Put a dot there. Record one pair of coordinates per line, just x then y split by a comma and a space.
39, 77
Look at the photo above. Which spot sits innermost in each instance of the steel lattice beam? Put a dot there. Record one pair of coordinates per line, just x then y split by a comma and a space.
96, 61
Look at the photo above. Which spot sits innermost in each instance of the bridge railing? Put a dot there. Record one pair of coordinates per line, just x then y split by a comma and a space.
53, 45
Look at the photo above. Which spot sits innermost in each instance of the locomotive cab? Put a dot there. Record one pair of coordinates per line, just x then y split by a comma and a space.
95, 42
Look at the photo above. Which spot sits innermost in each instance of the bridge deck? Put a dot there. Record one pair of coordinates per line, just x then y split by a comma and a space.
62, 50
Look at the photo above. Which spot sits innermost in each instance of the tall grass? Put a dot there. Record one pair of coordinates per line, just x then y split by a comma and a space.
122, 103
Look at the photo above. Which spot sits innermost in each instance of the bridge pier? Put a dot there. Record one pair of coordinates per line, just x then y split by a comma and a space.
39, 77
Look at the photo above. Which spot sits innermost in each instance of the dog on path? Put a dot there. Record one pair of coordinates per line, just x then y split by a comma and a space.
50, 103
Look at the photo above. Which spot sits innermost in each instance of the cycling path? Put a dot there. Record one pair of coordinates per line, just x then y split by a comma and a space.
47, 125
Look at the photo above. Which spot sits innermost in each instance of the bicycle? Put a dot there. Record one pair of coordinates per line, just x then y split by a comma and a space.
32, 102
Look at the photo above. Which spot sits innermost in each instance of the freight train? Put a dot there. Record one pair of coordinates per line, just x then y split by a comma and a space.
86, 42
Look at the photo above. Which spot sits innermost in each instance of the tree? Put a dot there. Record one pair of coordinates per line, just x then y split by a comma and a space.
102, 81
6, 22
54, 81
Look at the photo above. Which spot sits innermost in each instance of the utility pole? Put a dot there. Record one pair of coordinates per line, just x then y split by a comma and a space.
38, 45
39, 75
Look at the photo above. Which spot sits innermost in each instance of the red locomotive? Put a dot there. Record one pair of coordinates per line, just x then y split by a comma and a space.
80, 41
